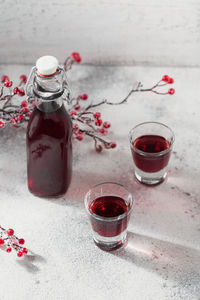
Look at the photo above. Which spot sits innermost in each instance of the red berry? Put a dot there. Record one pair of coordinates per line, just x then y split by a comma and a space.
20, 117
103, 131
165, 78
2, 124
24, 250
25, 110
10, 231
21, 241
97, 115
1, 241
76, 57
170, 80
15, 90
106, 125
84, 97
19, 254
4, 78
171, 91
77, 107
23, 78
79, 137
99, 148
29, 113
113, 145
8, 83
9, 249
21, 92
73, 113
98, 122
13, 120
24, 103
75, 127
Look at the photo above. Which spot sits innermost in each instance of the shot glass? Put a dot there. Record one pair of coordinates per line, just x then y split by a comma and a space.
151, 145
109, 206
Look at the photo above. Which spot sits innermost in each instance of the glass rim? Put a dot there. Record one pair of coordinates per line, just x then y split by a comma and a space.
160, 153
108, 219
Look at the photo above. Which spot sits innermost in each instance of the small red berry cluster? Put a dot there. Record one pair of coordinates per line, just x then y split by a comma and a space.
11, 113
99, 122
76, 105
16, 90
169, 80
70, 60
91, 120
8, 242
24, 111
76, 57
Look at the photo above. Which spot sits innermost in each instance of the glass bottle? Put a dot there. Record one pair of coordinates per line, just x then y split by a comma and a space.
49, 131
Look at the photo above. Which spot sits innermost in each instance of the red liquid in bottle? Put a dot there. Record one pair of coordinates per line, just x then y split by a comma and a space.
154, 144
108, 207
49, 151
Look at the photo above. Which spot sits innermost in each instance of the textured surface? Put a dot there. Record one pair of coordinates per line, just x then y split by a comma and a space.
106, 32
161, 260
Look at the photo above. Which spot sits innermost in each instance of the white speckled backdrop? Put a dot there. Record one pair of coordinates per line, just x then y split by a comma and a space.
162, 258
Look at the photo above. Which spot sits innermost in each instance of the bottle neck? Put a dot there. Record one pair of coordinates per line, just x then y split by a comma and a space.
48, 106
48, 92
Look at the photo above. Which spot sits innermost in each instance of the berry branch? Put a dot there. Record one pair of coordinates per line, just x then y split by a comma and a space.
9, 241
85, 121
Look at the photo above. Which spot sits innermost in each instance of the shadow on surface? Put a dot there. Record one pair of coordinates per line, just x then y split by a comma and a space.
82, 182
29, 262
174, 262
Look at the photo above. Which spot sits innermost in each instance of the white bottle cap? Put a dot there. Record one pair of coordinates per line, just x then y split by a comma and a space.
47, 65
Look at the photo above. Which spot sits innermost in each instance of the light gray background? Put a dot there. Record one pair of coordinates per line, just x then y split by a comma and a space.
107, 32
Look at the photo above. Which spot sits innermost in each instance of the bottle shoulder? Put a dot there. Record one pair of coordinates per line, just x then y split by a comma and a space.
60, 112
55, 124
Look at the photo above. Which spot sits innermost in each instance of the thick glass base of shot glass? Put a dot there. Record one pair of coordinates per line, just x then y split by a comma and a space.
110, 243
151, 178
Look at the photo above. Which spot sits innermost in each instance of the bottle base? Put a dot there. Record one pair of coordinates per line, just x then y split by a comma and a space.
42, 195
110, 243
150, 178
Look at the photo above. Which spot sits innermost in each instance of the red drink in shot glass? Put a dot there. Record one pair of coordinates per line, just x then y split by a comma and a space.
109, 205
151, 145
